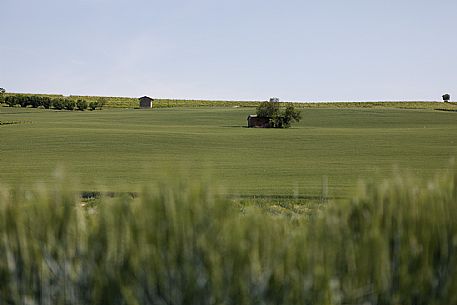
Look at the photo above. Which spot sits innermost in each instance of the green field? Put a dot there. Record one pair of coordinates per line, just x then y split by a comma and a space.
272, 240
121, 150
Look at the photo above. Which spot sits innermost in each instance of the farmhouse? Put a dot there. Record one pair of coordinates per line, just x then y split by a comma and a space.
260, 122
146, 102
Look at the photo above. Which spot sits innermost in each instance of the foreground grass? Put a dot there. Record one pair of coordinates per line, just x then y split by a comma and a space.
120, 150
392, 243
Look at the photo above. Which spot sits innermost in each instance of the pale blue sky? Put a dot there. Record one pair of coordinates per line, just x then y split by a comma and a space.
237, 50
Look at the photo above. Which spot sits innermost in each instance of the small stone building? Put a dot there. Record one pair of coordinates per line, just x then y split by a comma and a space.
146, 102
258, 122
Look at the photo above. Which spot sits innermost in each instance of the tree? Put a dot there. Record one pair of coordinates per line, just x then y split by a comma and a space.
23, 100
69, 104
11, 100
97, 104
268, 109
278, 118
291, 115
101, 102
58, 103
34, 101
46, 102
93, 105
446, 97
2, 93
81, 105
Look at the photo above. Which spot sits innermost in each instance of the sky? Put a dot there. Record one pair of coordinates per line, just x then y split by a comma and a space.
320, 50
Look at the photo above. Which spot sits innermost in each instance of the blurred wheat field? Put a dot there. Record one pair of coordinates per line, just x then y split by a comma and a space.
184, 243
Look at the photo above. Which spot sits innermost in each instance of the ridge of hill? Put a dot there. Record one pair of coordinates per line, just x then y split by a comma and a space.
129, 102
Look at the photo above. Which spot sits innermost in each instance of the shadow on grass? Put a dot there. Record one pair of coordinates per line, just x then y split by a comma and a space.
234, 126
96, 194
287, 197
11, 122
448, 110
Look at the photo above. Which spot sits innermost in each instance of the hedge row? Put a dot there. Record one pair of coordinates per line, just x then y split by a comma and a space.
58, 103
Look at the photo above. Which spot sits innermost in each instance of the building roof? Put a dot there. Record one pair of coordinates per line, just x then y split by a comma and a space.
145, 97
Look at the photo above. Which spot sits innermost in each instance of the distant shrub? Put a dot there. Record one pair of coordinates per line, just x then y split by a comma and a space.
11, 101
101, 103
26, 101
46, 102
20, 100
58, 103
33, 101
69, 104
446, 97
93, 105
81, 104
39, 101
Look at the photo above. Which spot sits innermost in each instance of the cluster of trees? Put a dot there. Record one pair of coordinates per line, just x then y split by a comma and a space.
278, 118
48, 102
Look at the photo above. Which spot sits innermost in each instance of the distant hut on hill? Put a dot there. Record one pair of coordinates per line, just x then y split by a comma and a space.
259, 122
146, 102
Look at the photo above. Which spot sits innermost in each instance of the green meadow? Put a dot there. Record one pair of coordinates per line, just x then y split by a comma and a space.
350, 206
122, 150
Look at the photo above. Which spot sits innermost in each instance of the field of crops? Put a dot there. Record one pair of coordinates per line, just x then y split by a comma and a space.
207, 211
121, 150
185, 243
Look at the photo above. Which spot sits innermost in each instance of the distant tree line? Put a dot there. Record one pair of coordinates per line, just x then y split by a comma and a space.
46, 102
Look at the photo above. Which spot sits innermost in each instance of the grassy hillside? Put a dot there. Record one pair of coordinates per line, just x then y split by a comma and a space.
119, 150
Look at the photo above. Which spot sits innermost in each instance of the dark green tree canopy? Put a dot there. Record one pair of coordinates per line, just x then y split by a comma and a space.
278, 118
268, 109
2, 91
